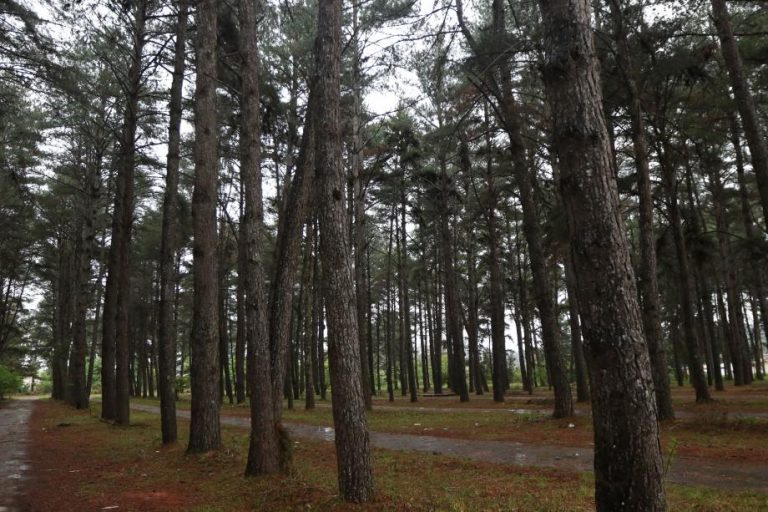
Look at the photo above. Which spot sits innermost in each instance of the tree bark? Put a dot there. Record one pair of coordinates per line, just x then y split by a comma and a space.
352, 441
115, 354
359, 210
205, 428
264, 447
169, 243
648, 282
628, 465
84, 250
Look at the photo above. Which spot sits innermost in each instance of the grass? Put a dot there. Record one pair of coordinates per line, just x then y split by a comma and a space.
101, 465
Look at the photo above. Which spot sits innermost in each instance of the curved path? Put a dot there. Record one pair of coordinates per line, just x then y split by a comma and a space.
14, 427
683, 470
544, 412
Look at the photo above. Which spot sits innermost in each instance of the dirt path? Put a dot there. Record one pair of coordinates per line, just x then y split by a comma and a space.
14, 428
683, 470
679, 414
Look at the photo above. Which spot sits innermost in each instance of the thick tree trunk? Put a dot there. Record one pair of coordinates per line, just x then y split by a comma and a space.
205, 428
166, 384
351, 427
264, 448
628, 465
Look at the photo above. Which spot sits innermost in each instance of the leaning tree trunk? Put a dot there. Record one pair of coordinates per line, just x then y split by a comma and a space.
353, 450
166, 382
205, 428
293, 216
753, 130
628, 465
648, 282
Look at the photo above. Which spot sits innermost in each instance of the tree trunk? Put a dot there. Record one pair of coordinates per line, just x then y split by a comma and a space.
670, 181
405, 311
359, 210
205, 428
736, 342
628, 465
582, 383
169, 242
114, 378
498, 342
437, 344
351, 428
390, 327
63, 320
288, 255
264, 447
511, 122
648, 282
240, 340
753, 130
310, 335
84, 250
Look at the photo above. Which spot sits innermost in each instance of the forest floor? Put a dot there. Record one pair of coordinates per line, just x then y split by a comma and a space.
80, 462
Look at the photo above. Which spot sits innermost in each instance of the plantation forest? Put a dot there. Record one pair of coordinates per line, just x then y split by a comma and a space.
449, 255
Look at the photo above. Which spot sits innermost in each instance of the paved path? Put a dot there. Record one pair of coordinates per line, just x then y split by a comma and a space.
14, 427
683, 470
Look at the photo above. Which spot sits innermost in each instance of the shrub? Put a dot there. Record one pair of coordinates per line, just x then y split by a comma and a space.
9, 382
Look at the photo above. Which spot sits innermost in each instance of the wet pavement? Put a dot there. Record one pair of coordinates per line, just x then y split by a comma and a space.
14, 466
734, 475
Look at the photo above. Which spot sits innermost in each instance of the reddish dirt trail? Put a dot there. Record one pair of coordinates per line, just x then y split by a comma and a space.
14, 464
683, 470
